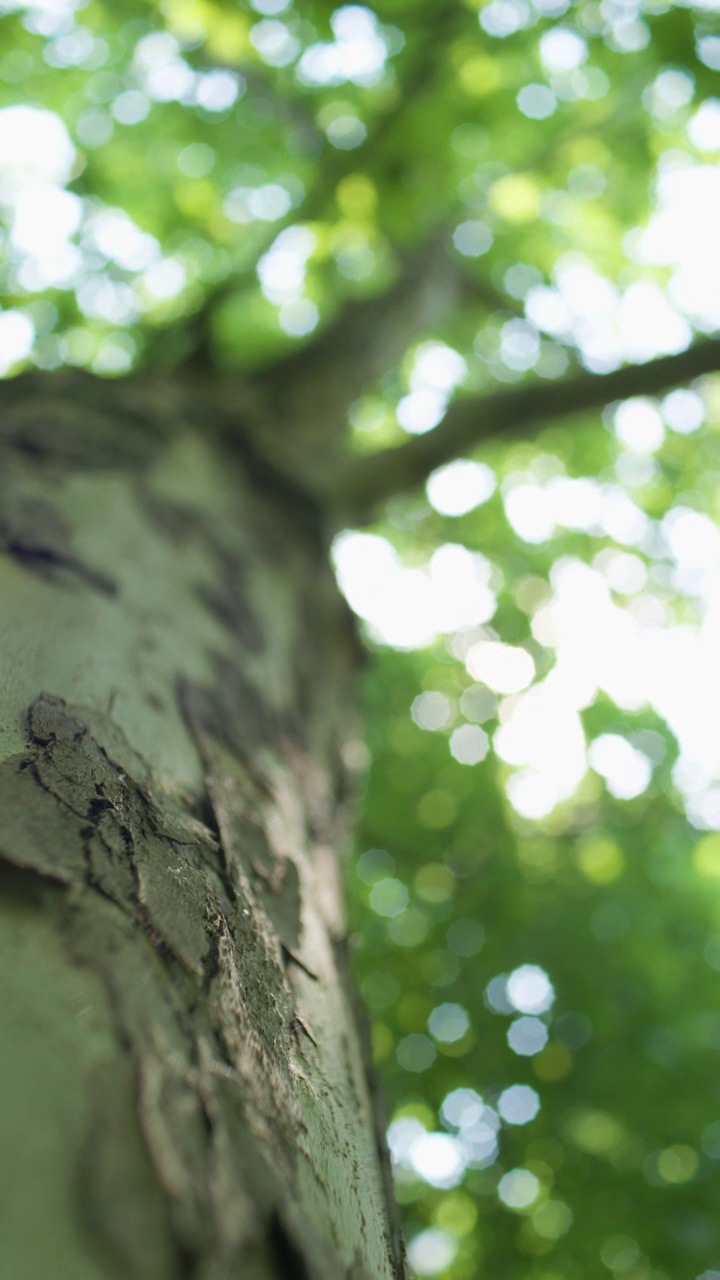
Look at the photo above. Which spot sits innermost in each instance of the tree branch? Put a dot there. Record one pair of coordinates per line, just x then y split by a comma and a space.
320, 380
188, 342
370, 480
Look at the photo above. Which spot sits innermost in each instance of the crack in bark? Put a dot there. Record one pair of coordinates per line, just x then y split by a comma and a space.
222, 981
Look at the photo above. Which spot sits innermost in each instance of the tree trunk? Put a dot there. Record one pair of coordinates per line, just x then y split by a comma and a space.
184, 1083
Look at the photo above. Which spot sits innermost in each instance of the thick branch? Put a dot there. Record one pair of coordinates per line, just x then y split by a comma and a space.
313, 387
370, 480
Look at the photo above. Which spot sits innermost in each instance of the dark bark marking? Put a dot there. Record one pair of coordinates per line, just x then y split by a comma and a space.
62, 424
291, 958
231, 711
297, 1025
288, 1261
228, 601
51, 563
33, 534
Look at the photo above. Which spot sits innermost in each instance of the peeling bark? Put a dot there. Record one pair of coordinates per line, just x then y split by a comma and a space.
174, 700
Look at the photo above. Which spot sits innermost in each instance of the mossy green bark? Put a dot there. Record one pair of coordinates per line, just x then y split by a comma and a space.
184, 1079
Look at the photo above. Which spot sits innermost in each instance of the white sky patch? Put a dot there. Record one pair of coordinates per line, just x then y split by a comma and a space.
164, 279
469, 744
421, 411
694, 542
543, 737
536, 101
16, 338
597, 645
218, 90
105, 299
502, 18
357, 54
432, 1251
264, 204
281, 270
527, 1036
519, 1104
597, 642
639, 657
408, 608
129, 108
460, 487
704, 127
530, 990
708, 48
683, 411
682, 234
649, 325
299, 317
462, 1108
671, 91
576, 504
438, 1159
401, 1135
478, 704
472, 238
627, 771
496, 996
431, 711
548, 310
274, 42
448, 1023
36, 159
536, 510
270, 6
346, 132
588, 294
478, 1126
608, 326
34, 143
437, 369
625, 572
504, 668
49, 17
530, 511
519, 345
518, 1189
118, 238
165, 76
562, 49
639, 426
44, 219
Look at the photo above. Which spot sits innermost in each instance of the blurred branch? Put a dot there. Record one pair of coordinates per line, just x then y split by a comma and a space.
191, 337
307, 395
370, 480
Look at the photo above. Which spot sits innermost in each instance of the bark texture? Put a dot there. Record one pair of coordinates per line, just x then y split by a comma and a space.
185, 1089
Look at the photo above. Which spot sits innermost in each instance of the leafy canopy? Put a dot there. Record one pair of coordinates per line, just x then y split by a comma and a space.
537, 887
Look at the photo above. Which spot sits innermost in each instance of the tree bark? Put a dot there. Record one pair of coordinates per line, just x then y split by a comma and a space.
185, 1087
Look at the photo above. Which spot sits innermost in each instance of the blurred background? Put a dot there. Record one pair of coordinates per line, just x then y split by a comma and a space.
535, 892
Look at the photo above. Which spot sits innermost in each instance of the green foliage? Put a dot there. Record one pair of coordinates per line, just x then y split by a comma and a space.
205, 140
